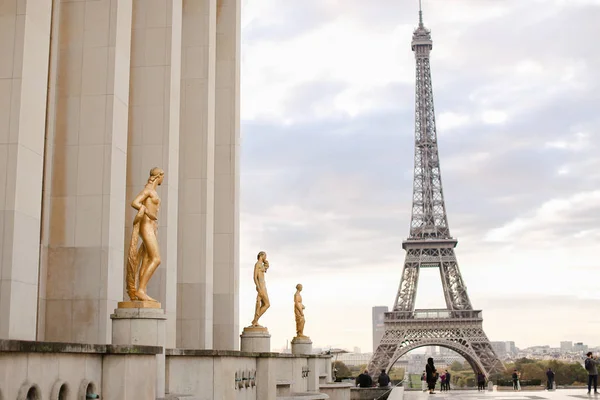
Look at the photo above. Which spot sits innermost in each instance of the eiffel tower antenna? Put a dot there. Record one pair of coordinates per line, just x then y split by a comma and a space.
429, 245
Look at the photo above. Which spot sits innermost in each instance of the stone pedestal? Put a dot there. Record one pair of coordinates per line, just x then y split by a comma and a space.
301, 345
142, 326
255, 340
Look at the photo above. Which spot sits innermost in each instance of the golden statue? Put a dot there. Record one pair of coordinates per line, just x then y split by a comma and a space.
262, 297
299, 312
142, 261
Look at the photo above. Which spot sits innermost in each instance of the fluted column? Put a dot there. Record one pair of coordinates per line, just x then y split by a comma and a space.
197, 176
88, 120
227, 178
154, 133
24, 43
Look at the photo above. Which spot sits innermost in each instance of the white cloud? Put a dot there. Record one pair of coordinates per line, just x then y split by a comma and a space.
579, 141
548, 216
449, 120
494, 117
341, 50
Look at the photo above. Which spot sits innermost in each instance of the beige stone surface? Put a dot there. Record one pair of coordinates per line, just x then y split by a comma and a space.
92, 94
85, 174
197, 176
46, 369
145, 327
227, 176
301, 345
153, 134
312, 381
255, 340
129, 377
265, 378
24, 50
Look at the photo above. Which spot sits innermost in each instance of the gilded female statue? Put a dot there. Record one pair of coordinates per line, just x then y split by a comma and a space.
143, 261
299, 312
262, 297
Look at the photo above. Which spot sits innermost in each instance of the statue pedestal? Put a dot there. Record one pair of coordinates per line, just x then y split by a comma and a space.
301, 345
141, 326
255, 340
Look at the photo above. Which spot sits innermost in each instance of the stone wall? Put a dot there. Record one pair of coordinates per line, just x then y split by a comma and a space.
369, 393
215, 374
46, 370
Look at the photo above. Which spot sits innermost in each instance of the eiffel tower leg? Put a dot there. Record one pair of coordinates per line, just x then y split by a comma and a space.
384, 353
455, 289
483, 348
407, 292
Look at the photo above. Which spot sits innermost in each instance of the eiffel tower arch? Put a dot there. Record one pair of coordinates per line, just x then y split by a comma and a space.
457, 327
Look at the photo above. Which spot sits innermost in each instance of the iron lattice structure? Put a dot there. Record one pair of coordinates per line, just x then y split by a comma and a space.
430, 245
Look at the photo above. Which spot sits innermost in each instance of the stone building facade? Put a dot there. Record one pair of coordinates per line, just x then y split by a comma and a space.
93, 94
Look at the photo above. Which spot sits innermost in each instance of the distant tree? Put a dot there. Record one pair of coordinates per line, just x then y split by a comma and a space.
574, 373
533, 371
523, 361
457, 366
565, 373
396, 374
341, 370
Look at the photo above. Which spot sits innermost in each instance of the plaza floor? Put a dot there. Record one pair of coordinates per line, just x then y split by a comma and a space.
566, 394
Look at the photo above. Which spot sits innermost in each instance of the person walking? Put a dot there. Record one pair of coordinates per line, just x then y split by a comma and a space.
480, 382
424, 381
515, 379
591, 365
443, 383
550, 375
432, 375
448, 376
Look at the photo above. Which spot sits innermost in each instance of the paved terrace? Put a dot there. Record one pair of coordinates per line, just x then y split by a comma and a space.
565, 394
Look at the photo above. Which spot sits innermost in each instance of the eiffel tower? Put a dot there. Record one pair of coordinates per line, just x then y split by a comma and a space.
429, 245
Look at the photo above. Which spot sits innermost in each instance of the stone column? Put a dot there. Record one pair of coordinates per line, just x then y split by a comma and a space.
144, 327
227, 177
86, 181
154, 133
255, 340
313, 374
197, 176
24, 52
266, 382
301, 345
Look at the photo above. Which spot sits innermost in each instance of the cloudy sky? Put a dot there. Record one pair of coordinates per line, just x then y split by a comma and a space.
327, 139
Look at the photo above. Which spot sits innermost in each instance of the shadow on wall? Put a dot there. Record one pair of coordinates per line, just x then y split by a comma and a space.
60, 391
87, 390
29, 392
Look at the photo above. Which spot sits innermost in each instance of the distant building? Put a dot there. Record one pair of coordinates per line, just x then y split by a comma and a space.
357, 350
499, 349
378, 325
504, 349
566, 346
580, 347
